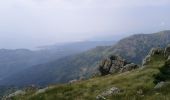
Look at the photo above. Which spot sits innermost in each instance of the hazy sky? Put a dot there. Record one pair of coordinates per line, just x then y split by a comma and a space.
31, 23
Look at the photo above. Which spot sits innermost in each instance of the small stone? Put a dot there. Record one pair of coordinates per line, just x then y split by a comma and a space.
100, 97
159, 85
111, 91
140, 92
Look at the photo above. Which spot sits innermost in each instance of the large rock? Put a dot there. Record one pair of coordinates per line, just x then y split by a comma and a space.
129, 67
105, 67
111, 91
115, 64
111, 65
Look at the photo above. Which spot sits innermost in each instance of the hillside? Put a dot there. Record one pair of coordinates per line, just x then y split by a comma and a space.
17, 61
138, 84
14, 61
133, 48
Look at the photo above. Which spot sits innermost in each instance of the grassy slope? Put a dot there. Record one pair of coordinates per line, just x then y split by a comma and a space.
129, 82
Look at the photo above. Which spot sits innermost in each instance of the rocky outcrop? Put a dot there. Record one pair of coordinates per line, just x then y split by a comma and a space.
129, 67
18, 92
153, 51
43, 90
115, 64
146, 60
111, 91
156, 51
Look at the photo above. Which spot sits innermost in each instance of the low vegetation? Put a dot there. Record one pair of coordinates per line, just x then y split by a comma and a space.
135, 85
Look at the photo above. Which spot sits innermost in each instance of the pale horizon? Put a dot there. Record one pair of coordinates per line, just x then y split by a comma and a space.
34, 23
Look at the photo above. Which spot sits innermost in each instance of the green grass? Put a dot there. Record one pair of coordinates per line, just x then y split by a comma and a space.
129, 82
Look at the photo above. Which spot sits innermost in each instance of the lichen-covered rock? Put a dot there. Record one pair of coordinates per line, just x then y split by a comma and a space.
111, 91
105, 66
129, 67
115, 64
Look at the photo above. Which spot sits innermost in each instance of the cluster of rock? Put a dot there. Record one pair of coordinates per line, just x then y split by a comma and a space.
43, 90
155, 51
115, 64
111, 91
20, 92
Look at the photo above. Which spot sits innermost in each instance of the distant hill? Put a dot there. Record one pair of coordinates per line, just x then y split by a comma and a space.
134, 48
13, 61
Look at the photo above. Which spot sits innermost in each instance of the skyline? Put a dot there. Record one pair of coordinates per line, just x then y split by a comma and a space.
33, 23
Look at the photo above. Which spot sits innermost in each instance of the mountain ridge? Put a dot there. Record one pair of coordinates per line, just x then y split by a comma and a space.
134, 48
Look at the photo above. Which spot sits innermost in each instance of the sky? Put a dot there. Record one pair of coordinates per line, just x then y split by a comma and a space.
33, 23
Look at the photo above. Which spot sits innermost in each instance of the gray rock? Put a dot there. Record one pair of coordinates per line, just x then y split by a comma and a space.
129, 67
156, 51
111, 91
73, 81
140, 92
100, 97
41, 90
112, 64
169, 58
152, 52
19, 92
159, 85
146, 60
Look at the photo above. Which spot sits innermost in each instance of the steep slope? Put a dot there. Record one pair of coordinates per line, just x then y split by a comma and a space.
134, 85
133, 48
